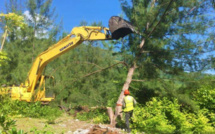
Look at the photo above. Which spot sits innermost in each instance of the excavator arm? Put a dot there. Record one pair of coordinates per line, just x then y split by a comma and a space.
26, 92
75, 38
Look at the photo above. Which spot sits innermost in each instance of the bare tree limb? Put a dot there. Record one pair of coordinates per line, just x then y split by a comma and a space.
141, 44
138, 80
146, 51
97, 71
77, 62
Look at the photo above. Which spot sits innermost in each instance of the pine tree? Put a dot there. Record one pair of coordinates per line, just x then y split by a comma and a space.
153, 54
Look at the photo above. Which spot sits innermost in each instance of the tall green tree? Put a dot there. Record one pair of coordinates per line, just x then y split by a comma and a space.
40, 16
24, 44
153, 54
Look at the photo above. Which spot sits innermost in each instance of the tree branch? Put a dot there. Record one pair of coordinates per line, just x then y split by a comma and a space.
97, 71
138, 80
77, 62
161, 18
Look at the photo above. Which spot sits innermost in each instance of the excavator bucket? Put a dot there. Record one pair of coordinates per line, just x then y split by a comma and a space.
119, 27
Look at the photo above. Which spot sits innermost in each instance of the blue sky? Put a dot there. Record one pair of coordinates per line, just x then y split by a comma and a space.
72, 12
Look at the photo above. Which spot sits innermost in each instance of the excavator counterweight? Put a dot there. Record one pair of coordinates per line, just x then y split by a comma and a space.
119, 27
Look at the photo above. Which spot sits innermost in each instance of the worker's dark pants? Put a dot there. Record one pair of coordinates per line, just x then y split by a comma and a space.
128, 116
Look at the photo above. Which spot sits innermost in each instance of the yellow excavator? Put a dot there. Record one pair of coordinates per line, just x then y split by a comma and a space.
118, 28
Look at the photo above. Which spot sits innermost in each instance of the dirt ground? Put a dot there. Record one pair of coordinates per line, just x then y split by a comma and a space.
64, 125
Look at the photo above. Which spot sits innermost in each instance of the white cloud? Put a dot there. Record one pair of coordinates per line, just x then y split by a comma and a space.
40, 32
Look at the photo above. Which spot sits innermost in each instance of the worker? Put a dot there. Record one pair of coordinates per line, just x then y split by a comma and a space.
128, 104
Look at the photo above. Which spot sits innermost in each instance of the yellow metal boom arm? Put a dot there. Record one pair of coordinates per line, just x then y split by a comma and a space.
75, 38
119, 28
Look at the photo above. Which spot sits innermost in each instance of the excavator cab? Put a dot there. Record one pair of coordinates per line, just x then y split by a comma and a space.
119, 27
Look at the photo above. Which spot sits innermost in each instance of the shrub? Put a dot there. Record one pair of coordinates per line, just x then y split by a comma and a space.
26, 109
152, 118
6, 122
164, 116
205, 97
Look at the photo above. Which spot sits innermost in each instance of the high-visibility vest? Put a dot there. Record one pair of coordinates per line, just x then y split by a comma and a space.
129, 103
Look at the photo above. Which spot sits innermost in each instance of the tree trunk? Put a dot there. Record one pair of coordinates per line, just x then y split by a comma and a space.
4, 38
110, 114
118, 108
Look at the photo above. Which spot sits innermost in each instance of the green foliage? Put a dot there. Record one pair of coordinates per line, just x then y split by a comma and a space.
78, 85
3, 59
174, 42
43, 131
97, 115
165, 116
152, 118
6, 122
23, 45
9, 109
205, 97
15, 131
25, 109
13, 20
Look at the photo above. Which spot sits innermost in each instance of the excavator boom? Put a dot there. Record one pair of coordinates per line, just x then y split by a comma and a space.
36, 80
